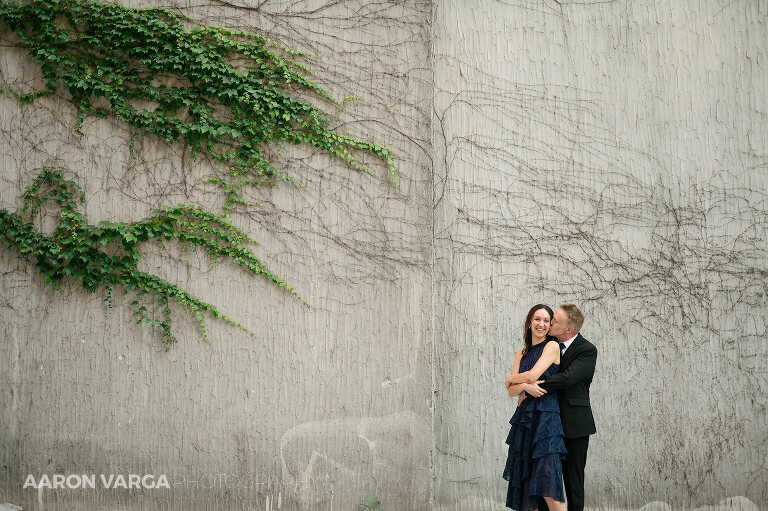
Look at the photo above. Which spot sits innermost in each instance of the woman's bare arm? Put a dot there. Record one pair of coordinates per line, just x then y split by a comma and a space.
550, 355
512, 388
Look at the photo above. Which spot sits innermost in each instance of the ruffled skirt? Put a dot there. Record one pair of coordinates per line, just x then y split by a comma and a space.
534, 466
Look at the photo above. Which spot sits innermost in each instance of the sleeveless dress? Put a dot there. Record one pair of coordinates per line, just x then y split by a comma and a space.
536, 447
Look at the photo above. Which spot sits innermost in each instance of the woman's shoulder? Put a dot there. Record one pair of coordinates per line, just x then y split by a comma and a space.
552, 345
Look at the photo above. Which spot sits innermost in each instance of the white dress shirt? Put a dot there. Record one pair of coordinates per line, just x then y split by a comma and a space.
568, 343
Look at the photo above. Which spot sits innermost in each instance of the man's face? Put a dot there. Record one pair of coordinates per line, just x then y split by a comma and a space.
560, 325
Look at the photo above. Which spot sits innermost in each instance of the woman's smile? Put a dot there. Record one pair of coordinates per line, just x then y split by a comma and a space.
540, 324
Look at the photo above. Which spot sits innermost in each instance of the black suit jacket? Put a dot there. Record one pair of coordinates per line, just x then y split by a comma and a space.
577, 366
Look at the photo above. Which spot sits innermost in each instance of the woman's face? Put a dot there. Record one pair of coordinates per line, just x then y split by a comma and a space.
540, 324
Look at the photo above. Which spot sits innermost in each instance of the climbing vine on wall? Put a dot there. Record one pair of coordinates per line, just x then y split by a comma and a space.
82, 251
223, 93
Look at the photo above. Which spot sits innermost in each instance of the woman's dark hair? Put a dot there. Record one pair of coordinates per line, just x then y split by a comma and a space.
527, 334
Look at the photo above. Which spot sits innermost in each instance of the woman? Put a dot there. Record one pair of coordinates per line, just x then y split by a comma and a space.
536, 447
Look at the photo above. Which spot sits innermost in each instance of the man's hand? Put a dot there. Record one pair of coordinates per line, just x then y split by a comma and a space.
533, 389
520, 398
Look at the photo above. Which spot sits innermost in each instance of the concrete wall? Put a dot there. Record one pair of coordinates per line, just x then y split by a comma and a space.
327, 405
611, 154
608, 153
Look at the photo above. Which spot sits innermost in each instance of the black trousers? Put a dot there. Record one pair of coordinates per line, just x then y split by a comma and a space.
573, 471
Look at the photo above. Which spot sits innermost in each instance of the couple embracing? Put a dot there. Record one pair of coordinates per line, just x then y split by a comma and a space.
550, 430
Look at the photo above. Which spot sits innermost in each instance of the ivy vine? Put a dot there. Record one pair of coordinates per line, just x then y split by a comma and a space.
223, 93
80, 250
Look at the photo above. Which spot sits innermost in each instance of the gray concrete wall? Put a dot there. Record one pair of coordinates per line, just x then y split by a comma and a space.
612, 154
327, 405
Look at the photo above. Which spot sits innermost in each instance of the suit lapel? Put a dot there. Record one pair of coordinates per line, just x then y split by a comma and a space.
570, 353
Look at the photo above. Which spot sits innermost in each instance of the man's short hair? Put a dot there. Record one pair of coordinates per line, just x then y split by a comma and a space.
575, 316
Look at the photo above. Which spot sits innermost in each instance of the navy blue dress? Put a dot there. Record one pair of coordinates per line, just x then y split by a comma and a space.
534, 466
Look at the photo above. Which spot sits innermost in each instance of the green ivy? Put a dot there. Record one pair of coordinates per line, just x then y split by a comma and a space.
223, 92
372, 505
82, 251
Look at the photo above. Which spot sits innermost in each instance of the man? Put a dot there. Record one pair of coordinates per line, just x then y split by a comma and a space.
577, 366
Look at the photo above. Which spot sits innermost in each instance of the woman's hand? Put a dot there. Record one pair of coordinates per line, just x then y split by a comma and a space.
533, 389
